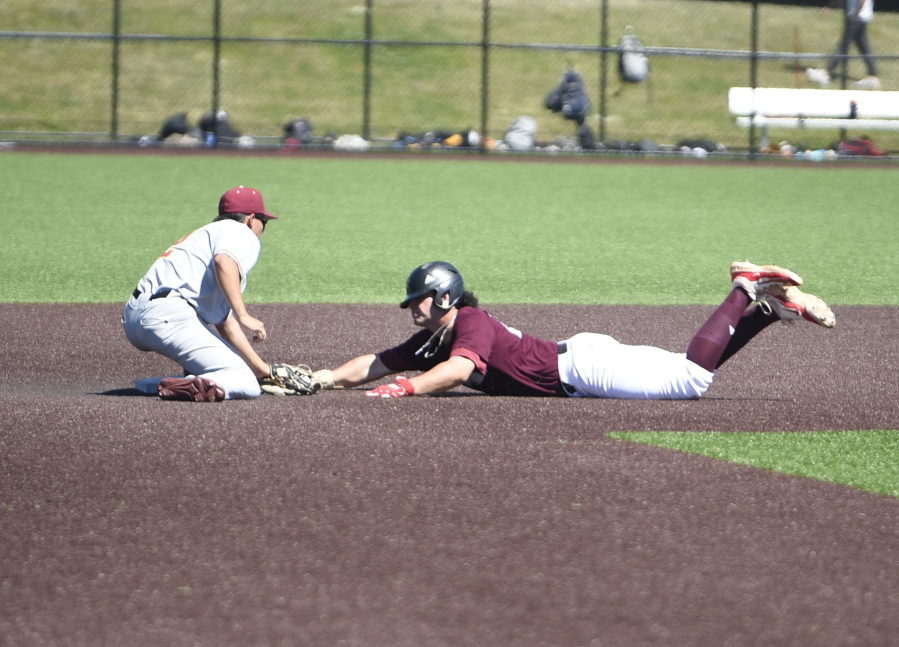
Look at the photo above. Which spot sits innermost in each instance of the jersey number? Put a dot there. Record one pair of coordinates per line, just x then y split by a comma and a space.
171, 249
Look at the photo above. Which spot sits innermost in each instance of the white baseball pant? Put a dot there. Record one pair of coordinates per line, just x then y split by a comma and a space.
598, 366
170, 326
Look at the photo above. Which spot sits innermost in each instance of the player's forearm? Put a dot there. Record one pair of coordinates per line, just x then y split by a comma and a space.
232, 333
360, 370
443, 377
227, 274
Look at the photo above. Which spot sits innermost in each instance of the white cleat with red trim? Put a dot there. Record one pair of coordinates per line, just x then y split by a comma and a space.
756, 280
791, 303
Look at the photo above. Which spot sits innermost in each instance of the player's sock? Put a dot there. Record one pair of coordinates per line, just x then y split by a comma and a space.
710, 342
751, 324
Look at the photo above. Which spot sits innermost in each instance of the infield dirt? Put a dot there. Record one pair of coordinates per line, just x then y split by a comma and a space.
452, 520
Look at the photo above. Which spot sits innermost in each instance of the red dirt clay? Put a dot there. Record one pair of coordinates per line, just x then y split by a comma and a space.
453, 520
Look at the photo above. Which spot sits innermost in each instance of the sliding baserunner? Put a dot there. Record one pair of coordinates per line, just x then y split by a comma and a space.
463, 345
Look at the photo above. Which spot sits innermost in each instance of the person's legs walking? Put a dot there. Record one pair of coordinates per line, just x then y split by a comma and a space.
849, 30
861, 40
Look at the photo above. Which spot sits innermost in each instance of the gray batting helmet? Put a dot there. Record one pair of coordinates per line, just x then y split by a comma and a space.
438, 277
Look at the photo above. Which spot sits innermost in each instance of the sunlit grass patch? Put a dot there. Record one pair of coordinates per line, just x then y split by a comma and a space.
868, 460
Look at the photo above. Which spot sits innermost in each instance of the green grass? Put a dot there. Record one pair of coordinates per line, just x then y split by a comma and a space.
66, 85
86, 228
860, 459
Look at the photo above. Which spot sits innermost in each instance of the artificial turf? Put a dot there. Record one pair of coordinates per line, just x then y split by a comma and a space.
85, 228
861, 459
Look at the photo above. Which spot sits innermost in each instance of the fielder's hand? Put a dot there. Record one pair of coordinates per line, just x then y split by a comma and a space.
399, 389
256, 327
287, 379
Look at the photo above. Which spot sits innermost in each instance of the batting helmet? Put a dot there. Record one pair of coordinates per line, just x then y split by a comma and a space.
438, 277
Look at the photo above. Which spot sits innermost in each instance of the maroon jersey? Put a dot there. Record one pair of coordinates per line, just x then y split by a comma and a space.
507, 361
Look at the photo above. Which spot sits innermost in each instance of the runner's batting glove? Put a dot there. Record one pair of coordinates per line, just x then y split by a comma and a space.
325, 378
401, 387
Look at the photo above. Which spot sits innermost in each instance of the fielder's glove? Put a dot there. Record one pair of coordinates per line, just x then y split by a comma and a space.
287, 379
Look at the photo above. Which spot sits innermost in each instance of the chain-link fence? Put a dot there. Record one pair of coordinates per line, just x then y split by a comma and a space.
115, 70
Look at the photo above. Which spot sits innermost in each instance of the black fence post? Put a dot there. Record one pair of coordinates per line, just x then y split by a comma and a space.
844, 70
366, 72
216, 64
753, 75
485, 73
603, 76
116, 41
844, 62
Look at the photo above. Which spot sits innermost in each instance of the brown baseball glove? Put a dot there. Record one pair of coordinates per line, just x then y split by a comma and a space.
289, 379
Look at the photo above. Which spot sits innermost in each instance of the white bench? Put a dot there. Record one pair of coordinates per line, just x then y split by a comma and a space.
820, 109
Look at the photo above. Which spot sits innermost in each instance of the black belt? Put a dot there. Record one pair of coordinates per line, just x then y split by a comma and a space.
161, 294
563, 347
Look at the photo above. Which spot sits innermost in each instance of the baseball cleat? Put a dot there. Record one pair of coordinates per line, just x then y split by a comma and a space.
197, 389
757, 279
790, 303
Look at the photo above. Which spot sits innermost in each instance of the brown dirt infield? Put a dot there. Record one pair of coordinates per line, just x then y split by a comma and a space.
452, 520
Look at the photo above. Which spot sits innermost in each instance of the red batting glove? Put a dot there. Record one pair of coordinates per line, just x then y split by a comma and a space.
402, 387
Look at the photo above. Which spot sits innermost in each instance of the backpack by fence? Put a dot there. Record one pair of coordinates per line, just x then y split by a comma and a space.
569, 97
633, 65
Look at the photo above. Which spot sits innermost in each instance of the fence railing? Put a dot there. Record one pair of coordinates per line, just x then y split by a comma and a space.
386, 67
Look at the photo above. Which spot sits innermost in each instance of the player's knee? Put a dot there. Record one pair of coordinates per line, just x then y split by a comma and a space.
238, 384
247, 389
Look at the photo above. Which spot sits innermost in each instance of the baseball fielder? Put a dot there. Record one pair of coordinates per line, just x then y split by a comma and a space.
463, 345
197, 282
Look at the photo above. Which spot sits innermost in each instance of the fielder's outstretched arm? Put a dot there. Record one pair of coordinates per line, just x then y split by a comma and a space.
227, 273
232, 333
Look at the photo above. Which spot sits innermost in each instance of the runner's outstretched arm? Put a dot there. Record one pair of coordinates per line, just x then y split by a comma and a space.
443, 377
360, 370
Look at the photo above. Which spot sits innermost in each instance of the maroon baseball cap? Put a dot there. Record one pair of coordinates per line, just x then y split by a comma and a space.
243, 199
